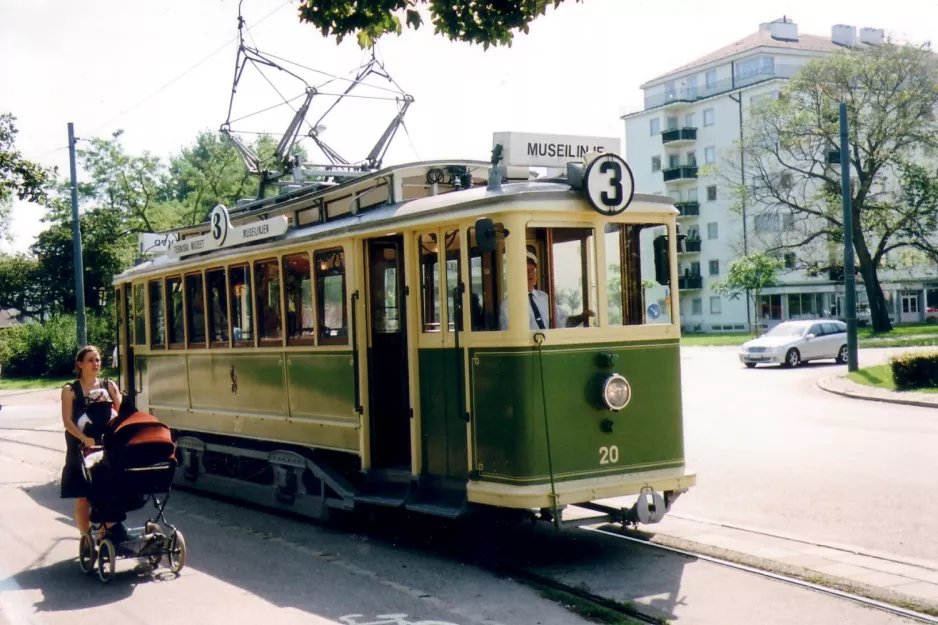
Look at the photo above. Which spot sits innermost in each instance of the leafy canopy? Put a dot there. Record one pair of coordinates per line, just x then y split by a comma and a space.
486, 22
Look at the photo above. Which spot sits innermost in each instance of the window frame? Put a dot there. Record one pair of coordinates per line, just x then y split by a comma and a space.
189, 312
227, 294
262, 341
249, 279
162, 284
320, 301
166, 303
299, 340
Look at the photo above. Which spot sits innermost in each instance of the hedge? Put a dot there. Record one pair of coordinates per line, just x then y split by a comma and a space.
915, 370
38, 350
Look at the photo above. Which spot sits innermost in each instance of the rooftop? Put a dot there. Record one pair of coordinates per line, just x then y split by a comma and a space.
782, 34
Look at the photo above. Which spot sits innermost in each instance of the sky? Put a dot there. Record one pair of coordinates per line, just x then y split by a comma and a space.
162, 72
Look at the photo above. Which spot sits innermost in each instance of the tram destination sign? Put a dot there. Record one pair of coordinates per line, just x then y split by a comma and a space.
540, 150
222, 234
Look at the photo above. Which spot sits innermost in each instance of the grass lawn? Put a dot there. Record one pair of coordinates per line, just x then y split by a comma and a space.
880, 376
36, 384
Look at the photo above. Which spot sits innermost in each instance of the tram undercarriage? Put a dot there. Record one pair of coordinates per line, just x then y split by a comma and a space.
313, 483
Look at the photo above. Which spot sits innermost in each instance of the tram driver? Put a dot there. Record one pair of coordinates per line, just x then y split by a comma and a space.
539, 305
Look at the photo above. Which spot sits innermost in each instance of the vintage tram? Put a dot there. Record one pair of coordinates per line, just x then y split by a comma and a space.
440, 337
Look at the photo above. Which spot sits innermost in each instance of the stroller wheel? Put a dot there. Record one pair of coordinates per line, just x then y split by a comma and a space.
86, 553
176, 551
106, 560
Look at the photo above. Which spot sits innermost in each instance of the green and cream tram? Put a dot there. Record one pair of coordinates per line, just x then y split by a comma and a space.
372, 342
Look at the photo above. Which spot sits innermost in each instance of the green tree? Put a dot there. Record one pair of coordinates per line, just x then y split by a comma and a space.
475, 21
791, 158
750, 274
24, 179
20, 285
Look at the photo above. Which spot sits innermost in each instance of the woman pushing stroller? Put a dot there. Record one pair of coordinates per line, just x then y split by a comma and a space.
88, 404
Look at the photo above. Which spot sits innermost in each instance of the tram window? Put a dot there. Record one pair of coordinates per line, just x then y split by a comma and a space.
330, 288
140, 327
267, 290
634, 295
563, 272
195, 310
299, 291
157, 316
217, 307
452, 276
385, 315
429, 282
242, 308
488, 277
175, 313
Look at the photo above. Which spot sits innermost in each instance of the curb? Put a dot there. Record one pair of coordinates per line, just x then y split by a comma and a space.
829, 385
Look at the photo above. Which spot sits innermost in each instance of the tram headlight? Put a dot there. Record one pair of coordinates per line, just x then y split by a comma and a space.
616, 392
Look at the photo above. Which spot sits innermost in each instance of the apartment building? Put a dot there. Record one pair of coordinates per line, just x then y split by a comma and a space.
692, 118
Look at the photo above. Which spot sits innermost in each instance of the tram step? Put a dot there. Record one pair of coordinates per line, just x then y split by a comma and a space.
448, 510
389, 500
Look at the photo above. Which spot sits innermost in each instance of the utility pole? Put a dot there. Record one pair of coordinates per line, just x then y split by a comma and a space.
850, 279
76, 242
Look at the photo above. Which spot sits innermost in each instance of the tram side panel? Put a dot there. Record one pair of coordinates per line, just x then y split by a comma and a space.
587, 439
296, 398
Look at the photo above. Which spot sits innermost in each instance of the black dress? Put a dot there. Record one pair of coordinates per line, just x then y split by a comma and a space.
73, 478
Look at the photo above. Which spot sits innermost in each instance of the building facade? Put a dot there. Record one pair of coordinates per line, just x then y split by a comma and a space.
692, 120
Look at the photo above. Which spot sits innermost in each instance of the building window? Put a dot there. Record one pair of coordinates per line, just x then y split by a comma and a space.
788, 220
785, 181
656, 163
766, 223
714, 305
712, 79
710, 155
672, 123
712, 193
692, 159
692, 195
789, 260
689, 121
674, 160
713, 231
708, 117
655, 125
692, 87
696, 306
714, 267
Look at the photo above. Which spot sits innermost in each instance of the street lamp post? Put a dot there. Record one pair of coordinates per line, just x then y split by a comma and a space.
850, 279
76, 243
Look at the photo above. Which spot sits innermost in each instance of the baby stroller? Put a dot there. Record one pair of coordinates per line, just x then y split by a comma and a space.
134, 464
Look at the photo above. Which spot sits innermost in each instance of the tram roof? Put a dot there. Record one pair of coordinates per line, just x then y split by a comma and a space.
406, 213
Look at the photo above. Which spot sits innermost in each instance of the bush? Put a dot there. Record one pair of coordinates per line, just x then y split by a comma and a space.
915, 370
35, 350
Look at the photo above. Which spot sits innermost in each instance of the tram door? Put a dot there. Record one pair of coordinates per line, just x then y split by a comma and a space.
387, 357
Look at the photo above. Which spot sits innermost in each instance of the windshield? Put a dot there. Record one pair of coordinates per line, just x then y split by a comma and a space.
784, 329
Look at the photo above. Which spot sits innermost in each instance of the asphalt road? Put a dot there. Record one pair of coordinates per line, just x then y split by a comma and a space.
773, 451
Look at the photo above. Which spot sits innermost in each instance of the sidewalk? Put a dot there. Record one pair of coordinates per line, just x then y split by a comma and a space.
885, 577
840, 385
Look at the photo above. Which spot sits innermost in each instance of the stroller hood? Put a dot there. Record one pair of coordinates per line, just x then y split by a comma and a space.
137, 440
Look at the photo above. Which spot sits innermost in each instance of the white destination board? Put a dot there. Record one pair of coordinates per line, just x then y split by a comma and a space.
150, 244
540, 150
222, 234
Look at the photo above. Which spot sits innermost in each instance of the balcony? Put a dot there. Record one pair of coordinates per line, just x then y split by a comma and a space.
679, 97
679, 136
688, 209
689, 283
691, 246
677, 174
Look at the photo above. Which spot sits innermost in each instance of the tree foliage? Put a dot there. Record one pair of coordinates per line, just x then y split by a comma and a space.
750, 274
19, 177
474, 21
793, 187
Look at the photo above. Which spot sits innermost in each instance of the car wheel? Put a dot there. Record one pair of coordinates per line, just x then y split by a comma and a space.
842, 355
792, 358
750, 365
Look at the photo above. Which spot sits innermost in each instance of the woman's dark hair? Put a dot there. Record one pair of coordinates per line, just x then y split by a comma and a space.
84, 351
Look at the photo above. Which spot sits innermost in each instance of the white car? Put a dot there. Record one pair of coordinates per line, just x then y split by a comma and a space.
791, 343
